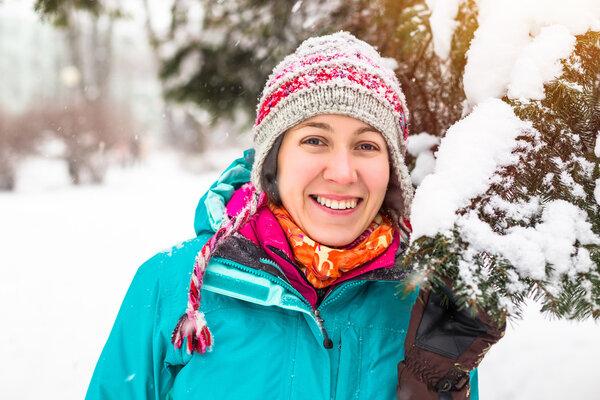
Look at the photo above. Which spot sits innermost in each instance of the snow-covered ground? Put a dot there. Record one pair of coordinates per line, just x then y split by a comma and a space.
69, 253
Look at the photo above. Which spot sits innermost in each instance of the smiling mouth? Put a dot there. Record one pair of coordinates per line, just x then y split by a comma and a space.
336, 204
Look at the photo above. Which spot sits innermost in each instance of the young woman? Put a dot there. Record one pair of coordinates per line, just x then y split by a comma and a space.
296, 267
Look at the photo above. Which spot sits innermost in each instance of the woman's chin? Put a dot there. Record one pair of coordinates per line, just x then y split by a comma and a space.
333, 236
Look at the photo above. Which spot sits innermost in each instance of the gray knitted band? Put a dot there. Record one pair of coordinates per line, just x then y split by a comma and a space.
336, 74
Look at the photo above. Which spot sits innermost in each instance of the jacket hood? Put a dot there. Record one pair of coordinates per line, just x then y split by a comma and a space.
211, 207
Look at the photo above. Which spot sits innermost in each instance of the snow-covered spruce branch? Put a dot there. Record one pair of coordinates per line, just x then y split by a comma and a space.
513, 208
490, 282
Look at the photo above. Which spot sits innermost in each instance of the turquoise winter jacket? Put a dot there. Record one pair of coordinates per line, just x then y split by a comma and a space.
267, 342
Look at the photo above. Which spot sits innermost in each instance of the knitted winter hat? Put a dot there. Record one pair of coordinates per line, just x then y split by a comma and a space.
336, 74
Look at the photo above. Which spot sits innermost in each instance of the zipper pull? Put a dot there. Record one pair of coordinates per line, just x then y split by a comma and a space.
327, 343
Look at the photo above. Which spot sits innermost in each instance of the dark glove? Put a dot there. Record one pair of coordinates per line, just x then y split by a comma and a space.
442, 346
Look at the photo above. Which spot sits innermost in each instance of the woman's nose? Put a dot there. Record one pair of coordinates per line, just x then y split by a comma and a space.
340, 168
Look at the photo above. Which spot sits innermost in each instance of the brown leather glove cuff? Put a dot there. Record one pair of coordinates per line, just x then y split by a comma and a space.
442, 345
454, 385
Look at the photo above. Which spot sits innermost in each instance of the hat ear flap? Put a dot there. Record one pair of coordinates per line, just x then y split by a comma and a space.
268, 176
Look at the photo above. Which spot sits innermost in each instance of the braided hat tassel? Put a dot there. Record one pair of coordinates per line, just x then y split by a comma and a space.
192, 325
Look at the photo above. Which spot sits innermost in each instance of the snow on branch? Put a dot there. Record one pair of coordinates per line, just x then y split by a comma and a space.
512, 208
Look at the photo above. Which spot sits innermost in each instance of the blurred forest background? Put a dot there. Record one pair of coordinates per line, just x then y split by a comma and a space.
100, 82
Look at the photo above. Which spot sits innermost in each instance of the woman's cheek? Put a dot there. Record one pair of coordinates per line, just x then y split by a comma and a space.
376, 174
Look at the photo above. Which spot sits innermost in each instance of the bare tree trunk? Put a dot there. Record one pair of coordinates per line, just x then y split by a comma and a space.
167, 112
102, 53
7, 171
94, 61
75, 56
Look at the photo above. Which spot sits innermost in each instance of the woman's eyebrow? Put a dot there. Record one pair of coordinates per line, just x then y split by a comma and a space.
319, 125
365, 129
327, 127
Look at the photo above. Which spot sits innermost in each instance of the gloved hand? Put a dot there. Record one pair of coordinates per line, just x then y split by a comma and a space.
442, 346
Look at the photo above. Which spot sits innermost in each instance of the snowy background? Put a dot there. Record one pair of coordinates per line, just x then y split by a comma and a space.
69, 253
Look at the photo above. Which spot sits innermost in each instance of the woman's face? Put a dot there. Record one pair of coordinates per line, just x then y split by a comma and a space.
333, 173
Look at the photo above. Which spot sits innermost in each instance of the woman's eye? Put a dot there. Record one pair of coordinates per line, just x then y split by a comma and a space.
367, 147
313, 141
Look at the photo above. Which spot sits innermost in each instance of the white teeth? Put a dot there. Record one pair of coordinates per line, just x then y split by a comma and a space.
337, 205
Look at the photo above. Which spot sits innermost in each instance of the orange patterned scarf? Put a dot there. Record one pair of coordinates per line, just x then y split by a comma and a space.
323, 265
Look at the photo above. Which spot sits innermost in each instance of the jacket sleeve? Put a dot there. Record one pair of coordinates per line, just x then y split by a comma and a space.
131, 365
443, 345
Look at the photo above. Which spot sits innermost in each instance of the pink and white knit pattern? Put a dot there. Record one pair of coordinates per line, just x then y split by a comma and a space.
192, 325
335, 74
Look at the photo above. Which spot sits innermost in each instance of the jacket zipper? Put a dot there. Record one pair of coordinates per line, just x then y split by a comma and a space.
327, 343
338, 292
